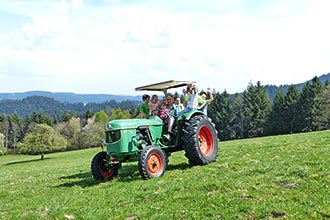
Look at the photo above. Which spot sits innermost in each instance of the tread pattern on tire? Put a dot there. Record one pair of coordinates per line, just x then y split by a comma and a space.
191, 143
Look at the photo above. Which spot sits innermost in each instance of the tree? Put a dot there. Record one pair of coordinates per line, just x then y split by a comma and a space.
307, 106
237, 120
71, 130
277, 120
326, 84
4, 127
119, 114
93, 136
256, 110
324, 108
89, 114
12, 133
42, 140
220, 111
291, 100
67, 115
101, 117
2, 144
41, 118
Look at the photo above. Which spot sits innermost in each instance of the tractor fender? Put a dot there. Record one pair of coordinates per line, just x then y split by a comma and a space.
190, 114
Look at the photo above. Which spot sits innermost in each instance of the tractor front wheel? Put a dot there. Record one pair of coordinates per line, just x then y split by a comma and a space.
152, 162
99, 170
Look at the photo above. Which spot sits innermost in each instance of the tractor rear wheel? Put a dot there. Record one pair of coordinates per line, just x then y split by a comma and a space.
200, 140
152, 162
99, 170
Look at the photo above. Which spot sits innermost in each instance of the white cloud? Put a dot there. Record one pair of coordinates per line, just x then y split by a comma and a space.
64, 6
112, 49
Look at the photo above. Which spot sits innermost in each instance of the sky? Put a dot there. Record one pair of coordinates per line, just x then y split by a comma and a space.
113, 46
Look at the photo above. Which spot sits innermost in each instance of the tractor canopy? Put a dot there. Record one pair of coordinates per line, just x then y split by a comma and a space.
164, 86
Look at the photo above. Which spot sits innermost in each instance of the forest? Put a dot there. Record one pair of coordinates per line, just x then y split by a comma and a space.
245, 115
254, 114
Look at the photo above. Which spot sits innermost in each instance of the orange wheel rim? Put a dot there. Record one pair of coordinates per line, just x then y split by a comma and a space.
105, 173
205, 138
155, 163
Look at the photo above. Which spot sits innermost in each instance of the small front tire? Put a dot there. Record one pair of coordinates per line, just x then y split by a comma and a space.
152, 162
99, 170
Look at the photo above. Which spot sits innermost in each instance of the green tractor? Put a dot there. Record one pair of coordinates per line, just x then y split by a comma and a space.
143, 140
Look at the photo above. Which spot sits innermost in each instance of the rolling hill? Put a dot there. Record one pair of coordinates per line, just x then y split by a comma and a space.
69, 97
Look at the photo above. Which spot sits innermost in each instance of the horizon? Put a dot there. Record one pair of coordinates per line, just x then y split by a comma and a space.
138, 93
112, 47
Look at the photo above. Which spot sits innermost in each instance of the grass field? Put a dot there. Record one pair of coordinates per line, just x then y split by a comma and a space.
279, 177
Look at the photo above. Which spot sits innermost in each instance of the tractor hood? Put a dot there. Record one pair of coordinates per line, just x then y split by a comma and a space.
133, 123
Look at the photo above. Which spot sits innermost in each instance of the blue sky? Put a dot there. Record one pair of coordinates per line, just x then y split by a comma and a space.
113, 46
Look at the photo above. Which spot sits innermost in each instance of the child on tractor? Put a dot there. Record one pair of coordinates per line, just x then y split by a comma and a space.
144, 108
191, 98
204, 99
154, 105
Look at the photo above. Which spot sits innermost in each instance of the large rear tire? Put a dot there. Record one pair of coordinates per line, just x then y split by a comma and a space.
200, 140
152, 162
99, 170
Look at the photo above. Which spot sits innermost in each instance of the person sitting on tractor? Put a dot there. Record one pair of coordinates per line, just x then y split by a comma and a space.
164, 111
167, 114
203, 102
177, 104
174, 111
154, 105
191, 98
144, 108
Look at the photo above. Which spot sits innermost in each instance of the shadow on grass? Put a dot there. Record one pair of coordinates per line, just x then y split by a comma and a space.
80, 179
128, 173
180, 166
26, 161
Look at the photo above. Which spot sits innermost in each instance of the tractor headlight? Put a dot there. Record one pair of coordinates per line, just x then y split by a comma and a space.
112, 136
107, 126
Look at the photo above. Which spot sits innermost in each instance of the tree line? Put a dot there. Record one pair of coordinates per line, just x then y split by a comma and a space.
41, 133
254, 114
246, 115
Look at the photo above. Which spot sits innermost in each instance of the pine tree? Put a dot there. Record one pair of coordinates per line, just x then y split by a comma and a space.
220, 111
256, 110
214, 111
307, 106
291, 99
316, 107
237, 120
277, 120
324, 108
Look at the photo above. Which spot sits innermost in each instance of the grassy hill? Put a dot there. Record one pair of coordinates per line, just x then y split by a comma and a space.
284, 177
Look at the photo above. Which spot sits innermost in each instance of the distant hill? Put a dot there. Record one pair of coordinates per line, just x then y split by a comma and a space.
28, 105
69, 97
272, 90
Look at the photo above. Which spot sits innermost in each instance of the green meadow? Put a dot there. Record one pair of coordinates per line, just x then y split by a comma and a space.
277, 177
